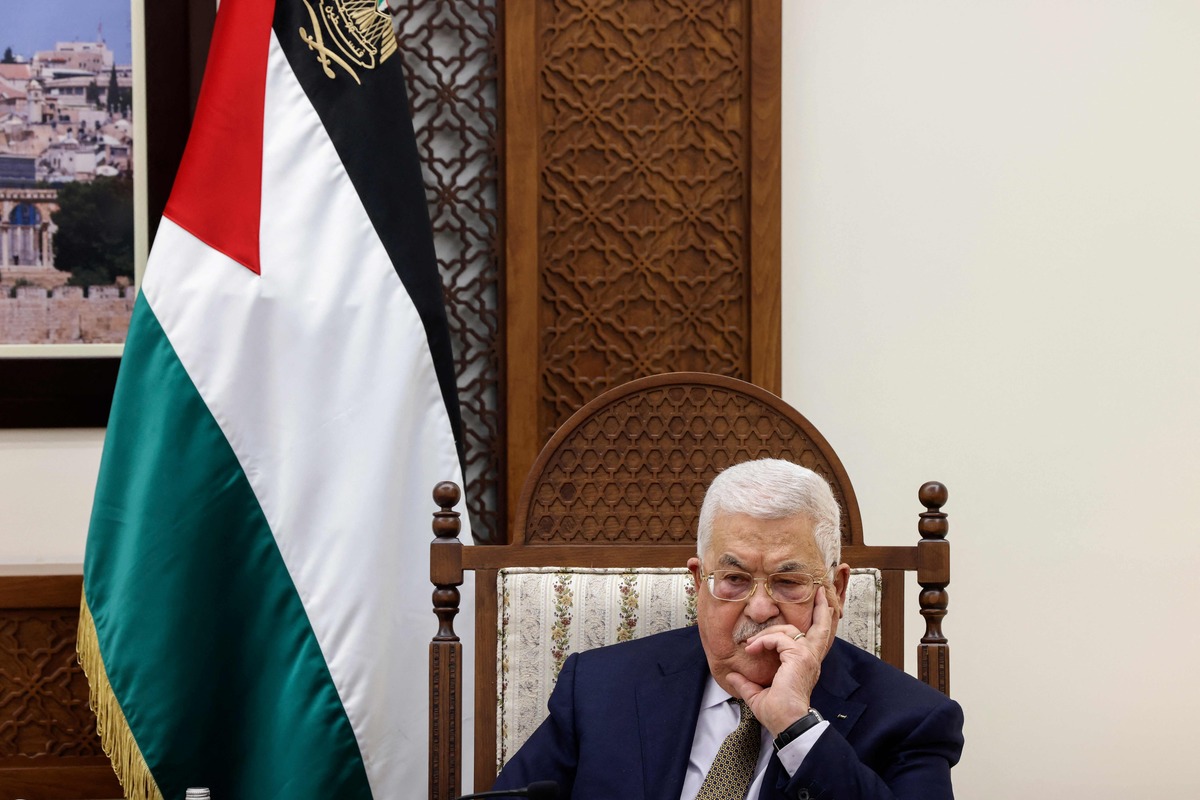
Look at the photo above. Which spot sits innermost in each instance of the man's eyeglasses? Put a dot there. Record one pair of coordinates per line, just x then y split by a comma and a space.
734, 586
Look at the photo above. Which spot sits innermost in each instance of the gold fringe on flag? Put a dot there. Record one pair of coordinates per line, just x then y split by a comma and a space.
115, 736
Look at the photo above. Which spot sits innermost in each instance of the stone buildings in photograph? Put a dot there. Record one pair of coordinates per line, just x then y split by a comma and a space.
66, 117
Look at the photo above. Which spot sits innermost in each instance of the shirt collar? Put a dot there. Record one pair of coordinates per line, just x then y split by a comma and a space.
714, 695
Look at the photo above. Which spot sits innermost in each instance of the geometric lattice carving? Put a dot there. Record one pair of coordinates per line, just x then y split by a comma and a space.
643, 196
43, 692
450, 54
634, 465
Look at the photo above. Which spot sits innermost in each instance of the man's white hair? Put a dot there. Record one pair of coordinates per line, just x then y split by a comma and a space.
771, 488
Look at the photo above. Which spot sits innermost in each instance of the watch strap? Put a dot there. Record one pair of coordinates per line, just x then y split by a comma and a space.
794, 731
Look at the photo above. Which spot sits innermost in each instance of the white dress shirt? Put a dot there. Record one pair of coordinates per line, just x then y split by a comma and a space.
718, 718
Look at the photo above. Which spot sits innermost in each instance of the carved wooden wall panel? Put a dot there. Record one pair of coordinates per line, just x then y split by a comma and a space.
451, 61
641, 202
44, 692
48, 742
641, 205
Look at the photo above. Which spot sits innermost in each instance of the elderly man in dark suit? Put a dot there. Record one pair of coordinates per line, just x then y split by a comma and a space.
760, 700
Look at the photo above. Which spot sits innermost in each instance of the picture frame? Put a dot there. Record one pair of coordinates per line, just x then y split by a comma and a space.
73, 390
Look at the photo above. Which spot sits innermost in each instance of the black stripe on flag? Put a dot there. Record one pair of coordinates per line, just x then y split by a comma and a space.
372, 131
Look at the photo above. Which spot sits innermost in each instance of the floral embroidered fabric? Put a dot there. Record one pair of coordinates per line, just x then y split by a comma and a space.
547, 613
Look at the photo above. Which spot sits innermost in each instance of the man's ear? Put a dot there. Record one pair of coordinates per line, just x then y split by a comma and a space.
693, 565
841, 579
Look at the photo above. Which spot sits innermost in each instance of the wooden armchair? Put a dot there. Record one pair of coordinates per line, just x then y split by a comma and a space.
615, 495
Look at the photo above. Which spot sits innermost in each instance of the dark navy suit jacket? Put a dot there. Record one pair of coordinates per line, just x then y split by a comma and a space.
622, 719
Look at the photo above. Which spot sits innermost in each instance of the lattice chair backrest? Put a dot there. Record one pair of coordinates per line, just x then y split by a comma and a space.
632, 465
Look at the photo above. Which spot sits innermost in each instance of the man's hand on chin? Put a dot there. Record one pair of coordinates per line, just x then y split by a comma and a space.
800, 653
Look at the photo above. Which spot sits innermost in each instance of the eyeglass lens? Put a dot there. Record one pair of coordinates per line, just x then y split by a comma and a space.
786, 587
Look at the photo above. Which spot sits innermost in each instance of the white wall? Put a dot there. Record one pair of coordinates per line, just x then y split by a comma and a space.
47, 478
991, 250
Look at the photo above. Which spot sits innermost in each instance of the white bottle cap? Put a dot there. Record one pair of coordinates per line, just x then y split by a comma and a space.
197, 794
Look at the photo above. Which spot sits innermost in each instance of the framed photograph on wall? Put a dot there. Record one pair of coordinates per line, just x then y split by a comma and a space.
92, 128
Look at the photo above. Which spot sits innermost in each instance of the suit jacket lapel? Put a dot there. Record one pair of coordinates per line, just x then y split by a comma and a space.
668, 707
833, 690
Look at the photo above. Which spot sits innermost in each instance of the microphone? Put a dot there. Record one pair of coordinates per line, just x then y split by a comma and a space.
538, 790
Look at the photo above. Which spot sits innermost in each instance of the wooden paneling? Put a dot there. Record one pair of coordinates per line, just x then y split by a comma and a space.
48, 742
642, 201
522, 330
765, 240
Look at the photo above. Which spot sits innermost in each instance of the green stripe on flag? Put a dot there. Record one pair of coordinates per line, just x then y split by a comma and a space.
205, 641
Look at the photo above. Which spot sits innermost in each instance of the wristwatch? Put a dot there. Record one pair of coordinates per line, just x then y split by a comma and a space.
798, 727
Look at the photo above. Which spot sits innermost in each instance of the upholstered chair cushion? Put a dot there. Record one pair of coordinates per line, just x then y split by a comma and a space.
547, 613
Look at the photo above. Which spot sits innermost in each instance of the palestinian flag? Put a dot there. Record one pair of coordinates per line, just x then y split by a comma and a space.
256, 610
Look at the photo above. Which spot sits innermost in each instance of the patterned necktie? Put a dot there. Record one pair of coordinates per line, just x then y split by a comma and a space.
733, 768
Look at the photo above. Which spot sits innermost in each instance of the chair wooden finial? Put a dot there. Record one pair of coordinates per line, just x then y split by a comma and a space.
446, 522
933, 574
933, 496
445, 557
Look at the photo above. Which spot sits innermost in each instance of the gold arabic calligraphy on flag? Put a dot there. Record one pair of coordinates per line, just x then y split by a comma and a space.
359, 33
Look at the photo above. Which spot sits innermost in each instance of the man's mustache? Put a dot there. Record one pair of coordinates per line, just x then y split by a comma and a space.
748, 627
